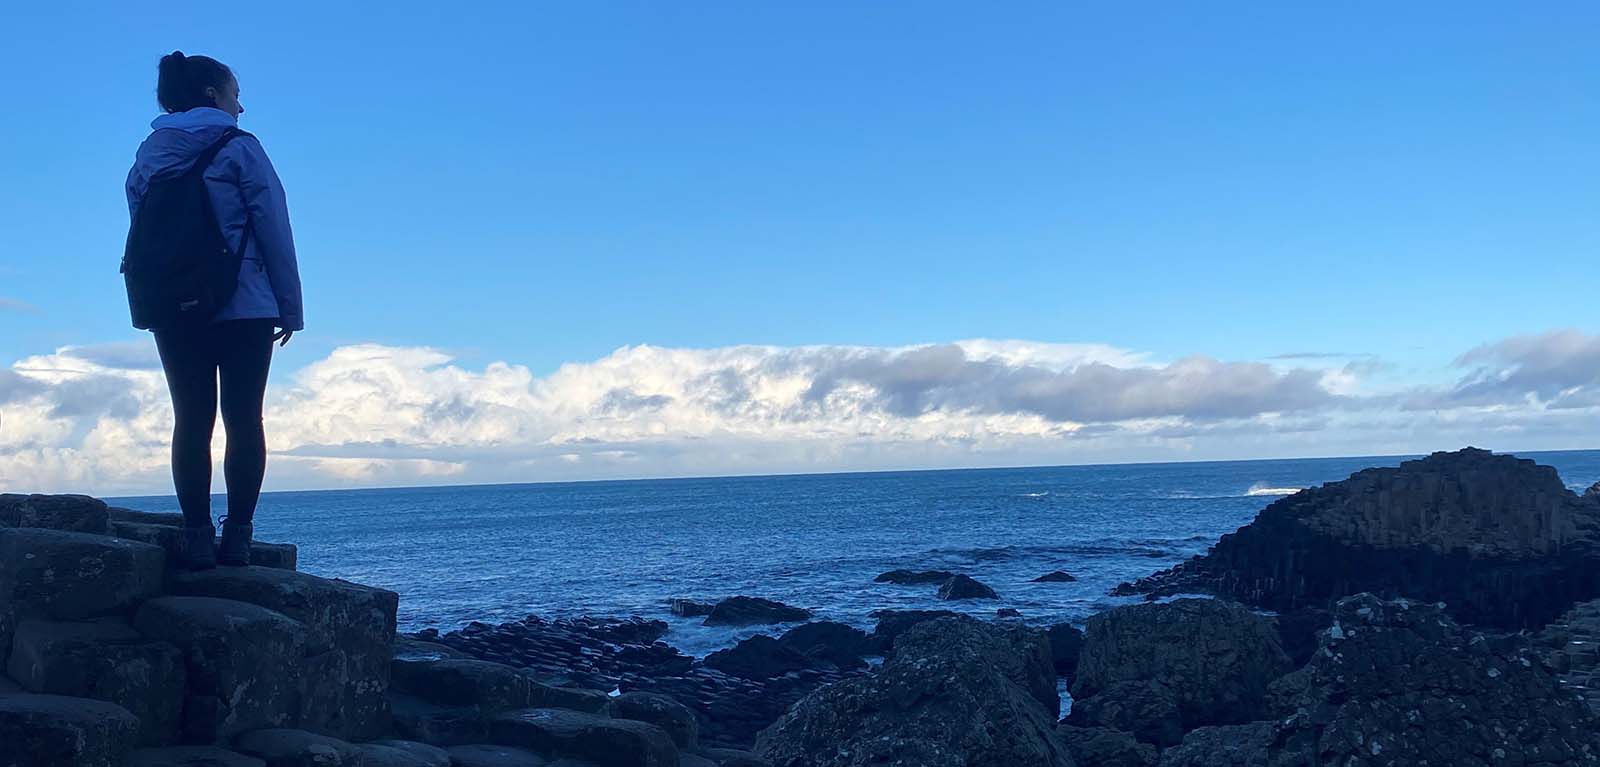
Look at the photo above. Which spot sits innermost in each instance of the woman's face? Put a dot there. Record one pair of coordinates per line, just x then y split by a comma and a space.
227, 97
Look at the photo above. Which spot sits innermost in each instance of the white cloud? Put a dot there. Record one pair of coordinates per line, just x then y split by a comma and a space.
96, 418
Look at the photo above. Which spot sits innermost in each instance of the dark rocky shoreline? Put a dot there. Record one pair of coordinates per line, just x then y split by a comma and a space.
1442, 612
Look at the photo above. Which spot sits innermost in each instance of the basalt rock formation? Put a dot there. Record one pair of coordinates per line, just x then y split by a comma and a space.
111, 657
956, 692
1500, 540
1400, 682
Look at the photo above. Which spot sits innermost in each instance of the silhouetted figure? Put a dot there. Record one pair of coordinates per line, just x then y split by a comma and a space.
211, 270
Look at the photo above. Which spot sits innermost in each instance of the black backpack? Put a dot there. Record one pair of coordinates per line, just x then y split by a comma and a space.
178, 267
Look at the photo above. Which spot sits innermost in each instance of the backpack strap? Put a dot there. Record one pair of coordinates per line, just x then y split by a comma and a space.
210, 153
207, 156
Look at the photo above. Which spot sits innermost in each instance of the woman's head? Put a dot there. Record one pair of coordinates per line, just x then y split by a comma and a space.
188, 82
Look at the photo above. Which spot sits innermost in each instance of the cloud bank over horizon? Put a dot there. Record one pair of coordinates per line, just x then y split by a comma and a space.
96, 418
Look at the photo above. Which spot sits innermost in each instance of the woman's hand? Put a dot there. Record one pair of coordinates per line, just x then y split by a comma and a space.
283, 336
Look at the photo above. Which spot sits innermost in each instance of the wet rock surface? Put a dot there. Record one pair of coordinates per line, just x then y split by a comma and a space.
1499, 539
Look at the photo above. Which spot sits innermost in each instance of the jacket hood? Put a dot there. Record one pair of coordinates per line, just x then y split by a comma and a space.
177, 139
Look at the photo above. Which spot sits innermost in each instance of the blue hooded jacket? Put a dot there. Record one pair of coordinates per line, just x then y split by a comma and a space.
243, 187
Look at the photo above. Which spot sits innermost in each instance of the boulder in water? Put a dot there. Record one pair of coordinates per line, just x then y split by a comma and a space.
912, 577
689, 608
750, 611
758, 657
828, 642
963, 587
1058, 576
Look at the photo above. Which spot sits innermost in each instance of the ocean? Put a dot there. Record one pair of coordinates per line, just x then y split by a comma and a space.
500, 552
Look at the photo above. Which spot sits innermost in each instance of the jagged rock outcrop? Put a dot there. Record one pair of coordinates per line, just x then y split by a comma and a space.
1499, 539
1159, 670
1400, 682
956, 691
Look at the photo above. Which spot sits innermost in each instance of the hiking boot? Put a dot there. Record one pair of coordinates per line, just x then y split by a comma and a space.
199, 548
234, 549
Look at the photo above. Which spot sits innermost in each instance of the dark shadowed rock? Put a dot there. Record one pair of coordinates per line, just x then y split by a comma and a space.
828, 642
431, 723
57, 730
242, 662
759, 657
749, 611
733, 757
688, 608
893, 623
1007, 613
607, 742
1570, 647
401, 753
1146, 709
956, 691
1239, 745
107, 661
1216, 658
191, 756
1066, 641
911, 577
1059, 576
1500, 540
167, 518
349, 629
488, 755
298, 748
170, 538
71, 576
74, 513
678, 720
492, 687
963, 587
1399, 682
1105, 747
542, 695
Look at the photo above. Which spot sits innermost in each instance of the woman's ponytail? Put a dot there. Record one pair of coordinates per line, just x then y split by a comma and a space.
181, 81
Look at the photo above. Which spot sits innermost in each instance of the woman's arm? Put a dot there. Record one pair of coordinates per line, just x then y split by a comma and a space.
269, 220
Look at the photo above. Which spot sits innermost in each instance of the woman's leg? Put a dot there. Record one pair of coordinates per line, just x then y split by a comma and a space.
246, 356
191, 371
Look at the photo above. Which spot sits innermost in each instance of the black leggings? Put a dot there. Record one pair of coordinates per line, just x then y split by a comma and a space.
241, 351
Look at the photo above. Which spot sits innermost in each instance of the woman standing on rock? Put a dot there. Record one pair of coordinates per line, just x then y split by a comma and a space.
210, 268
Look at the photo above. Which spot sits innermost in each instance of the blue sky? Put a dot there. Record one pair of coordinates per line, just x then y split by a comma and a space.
541, 184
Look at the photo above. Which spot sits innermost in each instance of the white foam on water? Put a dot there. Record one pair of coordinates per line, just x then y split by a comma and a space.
1261, 488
